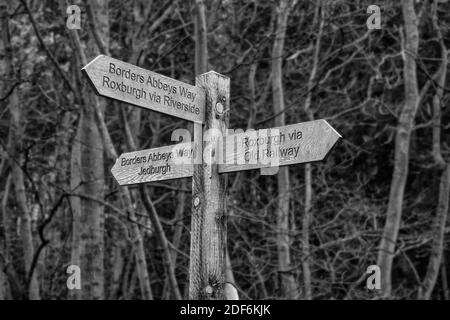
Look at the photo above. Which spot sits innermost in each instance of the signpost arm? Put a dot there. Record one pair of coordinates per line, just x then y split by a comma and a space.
208, 222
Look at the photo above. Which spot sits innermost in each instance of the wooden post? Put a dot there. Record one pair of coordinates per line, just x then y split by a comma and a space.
208, 222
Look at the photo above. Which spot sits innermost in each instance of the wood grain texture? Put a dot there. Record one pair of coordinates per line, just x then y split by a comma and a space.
313, 141
122, 81
208, 224
279, 146
164, 163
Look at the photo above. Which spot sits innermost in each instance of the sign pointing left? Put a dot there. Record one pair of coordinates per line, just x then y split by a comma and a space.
163, 163
122, 81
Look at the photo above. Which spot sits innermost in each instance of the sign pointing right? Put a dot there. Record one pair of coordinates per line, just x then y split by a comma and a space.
265, 148
280, 146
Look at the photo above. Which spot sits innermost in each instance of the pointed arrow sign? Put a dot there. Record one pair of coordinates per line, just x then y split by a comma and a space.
164, 163
122, 81
280, 146
266, 148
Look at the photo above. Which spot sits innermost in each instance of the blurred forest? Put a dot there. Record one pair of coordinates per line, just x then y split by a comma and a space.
309, 232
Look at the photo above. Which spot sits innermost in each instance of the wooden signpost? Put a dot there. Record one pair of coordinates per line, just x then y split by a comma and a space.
122, 81
154, 164
206, 160
280, 146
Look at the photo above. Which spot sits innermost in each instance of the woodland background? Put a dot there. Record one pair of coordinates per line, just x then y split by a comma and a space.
310, 232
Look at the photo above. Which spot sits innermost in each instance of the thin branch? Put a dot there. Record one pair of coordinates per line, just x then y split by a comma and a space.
94, 28
46, 49
148, 204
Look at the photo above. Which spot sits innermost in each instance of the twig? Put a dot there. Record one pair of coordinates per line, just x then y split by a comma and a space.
44, 46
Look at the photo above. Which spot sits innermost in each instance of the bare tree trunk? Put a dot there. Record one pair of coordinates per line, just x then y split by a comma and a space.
444, 279
168, 265
87, 177
320, 14
16, 130
57, 227
20, 193
88, 226
142, 10
438, 233
402, 144
117, 262
5, 293
440, 220
176, 240
289, 285
231, 292
201, 40
132, 283
138, 241
128, 269
5, 290
437, 99
75, 205
306, 222
141, 263
4, 234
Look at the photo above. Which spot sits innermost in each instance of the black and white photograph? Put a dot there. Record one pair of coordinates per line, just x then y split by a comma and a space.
242, 151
